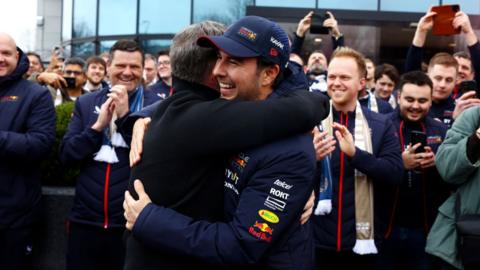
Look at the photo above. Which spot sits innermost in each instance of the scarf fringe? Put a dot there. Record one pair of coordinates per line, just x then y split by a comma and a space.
365, 246
118, 141
106, 154
324, 207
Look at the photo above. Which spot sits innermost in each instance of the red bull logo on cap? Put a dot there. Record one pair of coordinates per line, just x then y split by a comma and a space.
261, 231
247, 33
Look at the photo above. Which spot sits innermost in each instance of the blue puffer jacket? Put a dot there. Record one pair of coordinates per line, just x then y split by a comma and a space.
100, 186
27, 131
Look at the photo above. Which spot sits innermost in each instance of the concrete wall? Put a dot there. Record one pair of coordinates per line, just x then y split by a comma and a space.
48, 32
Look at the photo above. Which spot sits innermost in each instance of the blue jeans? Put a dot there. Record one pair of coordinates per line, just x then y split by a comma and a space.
405, 249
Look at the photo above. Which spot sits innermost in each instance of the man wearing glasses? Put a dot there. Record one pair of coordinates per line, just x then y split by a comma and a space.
163, 88
74, 74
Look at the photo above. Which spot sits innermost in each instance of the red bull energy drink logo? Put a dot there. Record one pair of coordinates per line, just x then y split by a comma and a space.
261, 231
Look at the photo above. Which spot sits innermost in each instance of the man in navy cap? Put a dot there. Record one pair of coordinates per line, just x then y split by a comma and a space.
265, 188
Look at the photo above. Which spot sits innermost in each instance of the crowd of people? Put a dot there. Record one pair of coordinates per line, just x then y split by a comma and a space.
227, 151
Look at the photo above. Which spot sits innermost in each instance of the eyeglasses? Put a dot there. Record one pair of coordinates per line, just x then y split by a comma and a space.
165, 63
72, 72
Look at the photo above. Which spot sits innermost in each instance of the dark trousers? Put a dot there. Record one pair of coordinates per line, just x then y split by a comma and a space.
439, 264
94, 248
405, 249
16, 249
327, 259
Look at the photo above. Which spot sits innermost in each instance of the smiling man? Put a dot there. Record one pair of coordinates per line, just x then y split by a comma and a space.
422, 191
364, 167
27, 132
96, 223
265, 188
96, 71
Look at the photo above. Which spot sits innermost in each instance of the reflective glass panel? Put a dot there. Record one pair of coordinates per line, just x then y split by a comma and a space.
155, 18
155, 45
83, 50
348, 4
222, 11
67, 20
117, 17
84, 18
286, 3
407, 5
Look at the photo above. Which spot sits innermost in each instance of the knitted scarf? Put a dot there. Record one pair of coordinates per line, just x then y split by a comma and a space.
111, 138
365, 243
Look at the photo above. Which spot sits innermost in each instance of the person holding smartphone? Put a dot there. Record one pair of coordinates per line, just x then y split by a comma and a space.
443, 67
75, 78
415, 202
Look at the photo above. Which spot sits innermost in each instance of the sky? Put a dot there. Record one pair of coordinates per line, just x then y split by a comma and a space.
18, 18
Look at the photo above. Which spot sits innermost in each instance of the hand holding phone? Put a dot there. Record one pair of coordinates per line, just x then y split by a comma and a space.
418, 137
466, 86
71, 83
443, 21
317, 24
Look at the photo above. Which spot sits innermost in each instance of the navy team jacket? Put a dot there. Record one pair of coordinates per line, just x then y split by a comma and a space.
100, 186
27, 131
265, 190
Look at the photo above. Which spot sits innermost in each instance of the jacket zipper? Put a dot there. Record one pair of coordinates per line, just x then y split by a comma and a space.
105, 196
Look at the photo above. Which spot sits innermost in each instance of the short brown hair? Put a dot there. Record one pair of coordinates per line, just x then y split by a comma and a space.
126, 45
96, 60
388, 70
443, 59
359, 59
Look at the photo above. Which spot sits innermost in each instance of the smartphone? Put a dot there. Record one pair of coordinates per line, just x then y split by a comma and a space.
443, 21
466, 86
418, 137
70, 82
317, 24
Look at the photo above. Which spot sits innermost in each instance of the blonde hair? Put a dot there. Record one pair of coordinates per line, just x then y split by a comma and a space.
348, 52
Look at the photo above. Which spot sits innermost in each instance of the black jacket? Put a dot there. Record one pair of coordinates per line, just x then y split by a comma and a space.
191, 135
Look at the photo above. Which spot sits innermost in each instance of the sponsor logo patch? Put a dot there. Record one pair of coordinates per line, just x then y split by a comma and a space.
434, 140
268, 216
261, 231
274, 203
273, 52
247, 33
8, 98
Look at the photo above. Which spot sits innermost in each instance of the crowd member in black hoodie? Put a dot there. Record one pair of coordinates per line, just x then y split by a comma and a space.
202, 131
416, 201
27, 131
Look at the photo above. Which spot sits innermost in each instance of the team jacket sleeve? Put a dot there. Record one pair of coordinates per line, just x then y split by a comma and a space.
475, 55
35, 142
80, 141
265, 212
414, 58
387, 166
230, 126
297, 44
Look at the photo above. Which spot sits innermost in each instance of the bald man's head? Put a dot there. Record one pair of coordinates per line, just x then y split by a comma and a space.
8, 55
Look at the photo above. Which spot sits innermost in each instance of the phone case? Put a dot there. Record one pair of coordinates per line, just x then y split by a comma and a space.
442, 22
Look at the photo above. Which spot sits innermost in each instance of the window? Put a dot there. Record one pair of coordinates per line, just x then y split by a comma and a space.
222, 11
84, 18
407, 5
349, 4
67, 20
106, 45
467, 6
83, 50
158, 17
286, 3
117, 17
155, 45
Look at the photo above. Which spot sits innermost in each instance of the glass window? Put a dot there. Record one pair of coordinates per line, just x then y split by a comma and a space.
407, 5
83, 50
222, 11
155, 45
155, 18
106, 45
286, 3
84, 18
67, 20
468, 6
349, 4
117, 17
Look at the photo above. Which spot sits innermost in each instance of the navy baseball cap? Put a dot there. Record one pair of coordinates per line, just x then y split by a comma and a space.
252, 36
